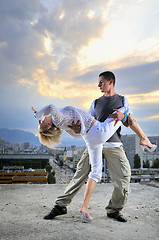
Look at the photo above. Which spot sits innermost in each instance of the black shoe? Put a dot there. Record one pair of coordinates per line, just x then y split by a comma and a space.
57, 210
117, 216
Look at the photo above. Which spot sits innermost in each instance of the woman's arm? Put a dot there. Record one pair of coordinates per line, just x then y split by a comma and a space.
48, 110
60, 119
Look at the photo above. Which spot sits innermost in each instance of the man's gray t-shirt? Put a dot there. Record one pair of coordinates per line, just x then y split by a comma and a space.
104, 106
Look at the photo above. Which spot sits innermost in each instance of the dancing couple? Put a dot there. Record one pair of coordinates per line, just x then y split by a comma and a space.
95, 133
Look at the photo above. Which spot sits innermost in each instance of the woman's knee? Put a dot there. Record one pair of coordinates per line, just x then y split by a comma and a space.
95, 176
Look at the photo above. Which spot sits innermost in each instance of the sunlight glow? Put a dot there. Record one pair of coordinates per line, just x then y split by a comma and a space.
3, 44
48, 44
147, 44
22, 81
40, 53
116, 42
34, 22
91, 14
62, 15
87, 105
26, 82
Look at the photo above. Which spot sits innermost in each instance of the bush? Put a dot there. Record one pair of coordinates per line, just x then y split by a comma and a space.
61, 163
48, 168
51, 179
137, 162
147, 164
53, 172
156, 163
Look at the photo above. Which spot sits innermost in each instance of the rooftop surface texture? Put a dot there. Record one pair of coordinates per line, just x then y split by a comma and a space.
22, 208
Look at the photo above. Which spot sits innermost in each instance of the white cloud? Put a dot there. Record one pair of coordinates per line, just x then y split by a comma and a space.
55, 50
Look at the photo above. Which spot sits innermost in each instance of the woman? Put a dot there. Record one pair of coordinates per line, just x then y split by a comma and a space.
95, 133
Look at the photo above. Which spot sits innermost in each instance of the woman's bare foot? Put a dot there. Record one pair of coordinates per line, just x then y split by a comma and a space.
146, 142
85, 211
84, 215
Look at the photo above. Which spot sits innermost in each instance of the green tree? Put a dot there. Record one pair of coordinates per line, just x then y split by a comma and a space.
147, 164
48, 168
156, 163
61, 163
71, 159
137, 162
57, 157
51, 179
53, 172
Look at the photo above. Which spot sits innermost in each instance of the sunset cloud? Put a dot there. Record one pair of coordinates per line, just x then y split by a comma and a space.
151, 97
154, 117
55, 50
61, 89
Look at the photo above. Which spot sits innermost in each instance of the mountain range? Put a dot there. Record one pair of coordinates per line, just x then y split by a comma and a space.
20, 136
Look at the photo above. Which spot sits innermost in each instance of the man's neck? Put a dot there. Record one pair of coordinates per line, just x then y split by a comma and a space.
110, 93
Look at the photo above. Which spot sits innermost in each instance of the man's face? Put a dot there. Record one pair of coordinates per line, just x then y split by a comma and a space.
104, 85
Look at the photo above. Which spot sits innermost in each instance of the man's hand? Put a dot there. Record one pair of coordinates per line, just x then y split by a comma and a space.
76, 127
118, 116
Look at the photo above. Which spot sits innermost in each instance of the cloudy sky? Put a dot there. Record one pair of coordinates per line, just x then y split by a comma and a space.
52, 51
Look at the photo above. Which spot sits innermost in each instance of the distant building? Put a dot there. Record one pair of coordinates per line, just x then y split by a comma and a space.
76, 159
132, 146
65, 156
35, 161
70, 154
148, 156
2, 143
26, 145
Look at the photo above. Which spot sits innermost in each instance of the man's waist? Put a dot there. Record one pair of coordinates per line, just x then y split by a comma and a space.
112, 144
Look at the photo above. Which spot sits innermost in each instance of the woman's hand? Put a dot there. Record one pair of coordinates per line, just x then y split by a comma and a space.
33, 109
76, 127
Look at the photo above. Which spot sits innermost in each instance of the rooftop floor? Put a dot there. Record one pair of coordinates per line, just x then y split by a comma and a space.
22, 208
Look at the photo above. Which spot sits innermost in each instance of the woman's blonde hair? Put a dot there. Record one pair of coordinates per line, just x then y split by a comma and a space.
49, 136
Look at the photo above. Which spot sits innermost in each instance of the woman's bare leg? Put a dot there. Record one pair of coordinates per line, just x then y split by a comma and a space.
87, 195
133, 124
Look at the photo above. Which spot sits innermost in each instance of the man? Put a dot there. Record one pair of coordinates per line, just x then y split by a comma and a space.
114, 154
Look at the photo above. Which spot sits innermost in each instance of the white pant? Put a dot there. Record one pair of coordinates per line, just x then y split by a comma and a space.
99, 133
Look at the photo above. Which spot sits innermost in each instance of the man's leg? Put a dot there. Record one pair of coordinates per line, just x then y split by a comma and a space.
120, 172
80, 177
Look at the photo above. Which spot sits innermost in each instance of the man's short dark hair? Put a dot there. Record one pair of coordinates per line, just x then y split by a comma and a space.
108, 75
